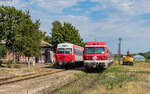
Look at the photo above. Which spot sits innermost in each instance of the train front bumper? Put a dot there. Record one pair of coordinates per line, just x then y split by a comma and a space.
97, 64
64, 63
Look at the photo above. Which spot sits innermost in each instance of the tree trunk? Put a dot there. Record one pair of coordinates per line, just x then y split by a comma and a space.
14, 56
29, 62
34, 61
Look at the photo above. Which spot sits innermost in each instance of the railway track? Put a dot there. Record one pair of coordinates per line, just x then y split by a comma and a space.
88, 86
65, 85
27, 77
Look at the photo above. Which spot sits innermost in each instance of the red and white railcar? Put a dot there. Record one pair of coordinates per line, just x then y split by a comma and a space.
69, 54
97, 55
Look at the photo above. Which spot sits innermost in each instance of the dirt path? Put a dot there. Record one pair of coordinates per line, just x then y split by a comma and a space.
32, 86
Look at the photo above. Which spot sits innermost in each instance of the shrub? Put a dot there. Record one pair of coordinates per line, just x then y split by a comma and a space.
24, 62
9, 64
1, 63
16, 65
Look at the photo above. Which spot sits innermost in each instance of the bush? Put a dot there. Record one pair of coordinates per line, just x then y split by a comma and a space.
16, 66
24, 62
9, 64
1, 63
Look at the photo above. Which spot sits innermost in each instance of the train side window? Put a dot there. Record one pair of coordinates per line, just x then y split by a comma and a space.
78, 52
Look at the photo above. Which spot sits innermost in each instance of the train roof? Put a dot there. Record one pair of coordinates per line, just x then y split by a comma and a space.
95, 43
66, 44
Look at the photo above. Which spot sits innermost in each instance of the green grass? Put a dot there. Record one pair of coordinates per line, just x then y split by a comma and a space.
115, 69
114, 76
82, 80
79, 75
50, 64
111, 81
4, 71
145, 72
148, 60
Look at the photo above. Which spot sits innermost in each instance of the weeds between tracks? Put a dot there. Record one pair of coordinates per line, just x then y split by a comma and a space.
27, 77
81, 82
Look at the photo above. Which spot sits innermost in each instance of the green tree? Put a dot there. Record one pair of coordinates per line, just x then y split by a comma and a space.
45, 37
3, 51
9, 26
65, 33
71, 34
32, 37
56, 34
146, 55
22, 34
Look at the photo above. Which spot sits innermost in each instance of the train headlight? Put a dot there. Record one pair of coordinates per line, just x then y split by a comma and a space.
103, 58
70, 57
86, 57
94, 57
58, 56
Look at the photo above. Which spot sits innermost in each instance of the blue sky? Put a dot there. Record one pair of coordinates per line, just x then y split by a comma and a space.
100, 20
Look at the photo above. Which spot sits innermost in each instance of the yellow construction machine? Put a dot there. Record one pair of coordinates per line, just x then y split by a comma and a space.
128, 59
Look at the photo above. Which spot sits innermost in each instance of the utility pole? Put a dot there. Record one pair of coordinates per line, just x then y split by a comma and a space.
119, 50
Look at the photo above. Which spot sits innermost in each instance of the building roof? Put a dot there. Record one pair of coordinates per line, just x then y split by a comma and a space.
139, 58
45, 44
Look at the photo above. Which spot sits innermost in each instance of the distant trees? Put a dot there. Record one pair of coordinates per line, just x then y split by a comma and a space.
65, 33
146, 55
21, 33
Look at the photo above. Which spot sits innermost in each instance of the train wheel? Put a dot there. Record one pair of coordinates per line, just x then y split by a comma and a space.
87, 69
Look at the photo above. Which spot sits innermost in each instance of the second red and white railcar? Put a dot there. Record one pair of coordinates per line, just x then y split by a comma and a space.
69, 54
97, 55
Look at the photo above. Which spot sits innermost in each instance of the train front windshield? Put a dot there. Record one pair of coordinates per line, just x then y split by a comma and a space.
95, 50
64, 51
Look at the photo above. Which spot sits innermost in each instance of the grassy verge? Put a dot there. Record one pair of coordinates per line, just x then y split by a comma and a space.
115, 76
83, 79
122, 79
113, 80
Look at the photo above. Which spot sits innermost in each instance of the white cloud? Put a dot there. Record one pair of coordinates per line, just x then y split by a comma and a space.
55, 6
98, 7
109, 30
112, 26
17, 3
128, 7
121, 23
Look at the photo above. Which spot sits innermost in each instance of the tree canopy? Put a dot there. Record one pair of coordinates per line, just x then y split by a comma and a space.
65, 33
21, 33
146, 55
45, 37
3, 51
